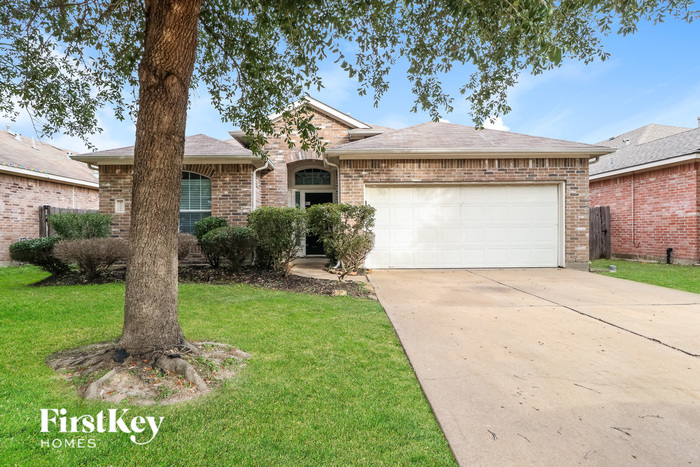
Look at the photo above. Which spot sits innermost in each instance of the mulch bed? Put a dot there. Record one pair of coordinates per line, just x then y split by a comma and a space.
246, 275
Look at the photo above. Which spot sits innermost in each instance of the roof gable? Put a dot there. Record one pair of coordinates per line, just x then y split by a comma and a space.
315, 104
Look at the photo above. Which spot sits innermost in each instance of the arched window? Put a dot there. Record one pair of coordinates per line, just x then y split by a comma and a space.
317, 177
195, 201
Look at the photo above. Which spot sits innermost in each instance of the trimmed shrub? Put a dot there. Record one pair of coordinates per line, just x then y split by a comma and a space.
346, 233
279, 232
185, 244
203, 227
73, 226
92, 255
39, 252
234, 243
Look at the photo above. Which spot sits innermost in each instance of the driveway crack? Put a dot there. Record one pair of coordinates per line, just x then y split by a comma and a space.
653, 339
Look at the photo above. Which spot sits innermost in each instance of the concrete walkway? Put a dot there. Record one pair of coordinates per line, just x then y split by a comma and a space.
552, 366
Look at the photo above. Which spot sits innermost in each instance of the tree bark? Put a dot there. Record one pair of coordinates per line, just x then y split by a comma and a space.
165, 71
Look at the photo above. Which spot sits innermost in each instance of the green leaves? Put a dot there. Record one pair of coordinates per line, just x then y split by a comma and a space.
62, 61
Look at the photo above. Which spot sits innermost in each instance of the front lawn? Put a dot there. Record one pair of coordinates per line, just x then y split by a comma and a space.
666, 275
328, 383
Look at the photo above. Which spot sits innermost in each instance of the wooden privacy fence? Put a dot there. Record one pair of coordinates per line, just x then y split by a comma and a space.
599, 237
45, 211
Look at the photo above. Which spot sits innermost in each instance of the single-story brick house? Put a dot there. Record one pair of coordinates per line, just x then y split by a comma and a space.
652, 185
446, 195
34, 174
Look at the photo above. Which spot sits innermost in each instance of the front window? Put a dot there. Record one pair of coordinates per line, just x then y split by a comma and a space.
312, 177
195, 201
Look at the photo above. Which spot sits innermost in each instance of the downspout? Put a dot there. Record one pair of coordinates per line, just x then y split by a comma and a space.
337, 176
255, 178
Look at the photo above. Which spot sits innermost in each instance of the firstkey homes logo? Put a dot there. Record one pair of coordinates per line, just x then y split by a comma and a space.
142, 430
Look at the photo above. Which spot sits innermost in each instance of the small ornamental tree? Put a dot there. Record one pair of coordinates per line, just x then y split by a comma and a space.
346, 233
279, 232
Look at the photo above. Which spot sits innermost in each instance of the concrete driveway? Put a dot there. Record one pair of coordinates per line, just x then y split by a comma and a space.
552, 366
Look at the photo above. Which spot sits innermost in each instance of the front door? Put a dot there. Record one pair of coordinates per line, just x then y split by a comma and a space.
313, 244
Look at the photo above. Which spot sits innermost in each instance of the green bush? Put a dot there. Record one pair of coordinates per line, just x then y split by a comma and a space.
235, 243
279, 232
73, 226
346, 232
39, 252
92, 255
203, 227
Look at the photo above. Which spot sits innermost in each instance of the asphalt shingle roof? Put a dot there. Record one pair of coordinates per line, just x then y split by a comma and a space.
195, 145
46, 159
642, 135
450, 136
680, 144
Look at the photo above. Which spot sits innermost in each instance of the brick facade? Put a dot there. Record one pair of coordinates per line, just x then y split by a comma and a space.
653, 211
20, 199
275, 189
230, 185
354, 174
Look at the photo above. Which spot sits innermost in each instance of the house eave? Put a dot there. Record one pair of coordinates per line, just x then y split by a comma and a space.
327, 109
48, 177
671, 162
466, 153
129, 160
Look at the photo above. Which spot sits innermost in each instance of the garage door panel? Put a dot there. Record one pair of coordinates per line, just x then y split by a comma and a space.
425, 215
401, 215
449, 236
472, 215
465, 226
448, 215
401, 237
426, 236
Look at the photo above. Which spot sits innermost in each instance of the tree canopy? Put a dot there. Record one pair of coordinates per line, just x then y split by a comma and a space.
62, 60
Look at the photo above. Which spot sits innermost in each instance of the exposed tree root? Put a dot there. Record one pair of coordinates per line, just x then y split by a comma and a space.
160, 375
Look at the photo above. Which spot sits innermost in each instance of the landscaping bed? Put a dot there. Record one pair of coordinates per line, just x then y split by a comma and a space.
207, 275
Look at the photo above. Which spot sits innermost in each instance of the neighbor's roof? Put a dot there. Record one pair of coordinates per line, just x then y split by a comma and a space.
669, 150
446, 139
25, 157
642, 135
199, 149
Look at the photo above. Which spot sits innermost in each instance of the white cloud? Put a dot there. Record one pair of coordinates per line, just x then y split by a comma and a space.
496, 124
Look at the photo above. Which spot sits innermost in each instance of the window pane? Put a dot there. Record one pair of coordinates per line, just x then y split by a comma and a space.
188, 219
312, 177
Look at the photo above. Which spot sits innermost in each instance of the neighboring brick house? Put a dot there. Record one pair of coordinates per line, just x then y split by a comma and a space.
652, 185
33, 174
446, 195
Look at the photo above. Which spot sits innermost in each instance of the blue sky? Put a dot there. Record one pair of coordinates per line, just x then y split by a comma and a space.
652, 76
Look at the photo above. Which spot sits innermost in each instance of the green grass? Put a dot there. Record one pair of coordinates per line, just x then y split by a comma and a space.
666, 275
328, 383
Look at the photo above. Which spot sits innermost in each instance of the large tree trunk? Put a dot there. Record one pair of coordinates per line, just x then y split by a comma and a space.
170, 46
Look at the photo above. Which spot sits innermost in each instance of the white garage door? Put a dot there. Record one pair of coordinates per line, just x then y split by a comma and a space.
465, 226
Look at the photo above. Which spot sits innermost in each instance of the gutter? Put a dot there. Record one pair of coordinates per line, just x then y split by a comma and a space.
49, 177
474, 153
